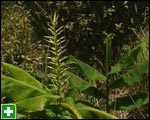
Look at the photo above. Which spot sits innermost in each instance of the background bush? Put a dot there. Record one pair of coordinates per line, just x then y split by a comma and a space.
85, 23
19, 46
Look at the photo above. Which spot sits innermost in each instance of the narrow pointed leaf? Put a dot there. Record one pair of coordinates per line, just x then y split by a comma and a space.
52, 31
61, 39
59, 29
61, 49
59, 32
60, 42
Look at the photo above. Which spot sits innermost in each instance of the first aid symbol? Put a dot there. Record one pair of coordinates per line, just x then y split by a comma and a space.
8, 111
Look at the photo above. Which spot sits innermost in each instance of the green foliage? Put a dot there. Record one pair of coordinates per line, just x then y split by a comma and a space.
18, 73
17, 42
100, 114
85, 23
78, 82
70, 105
36, 99
126, 61
129, 78
86, 70
134, 75
108, 42
131, 102
84, 86
143, 37
31, 96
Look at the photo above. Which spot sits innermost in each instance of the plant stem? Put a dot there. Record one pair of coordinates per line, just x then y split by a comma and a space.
137, 107
107, 96
107, 61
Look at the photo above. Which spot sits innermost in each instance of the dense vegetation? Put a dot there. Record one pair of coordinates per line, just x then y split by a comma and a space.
77, 59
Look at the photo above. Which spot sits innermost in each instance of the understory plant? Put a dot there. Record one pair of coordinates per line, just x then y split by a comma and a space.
126, 73
54, 98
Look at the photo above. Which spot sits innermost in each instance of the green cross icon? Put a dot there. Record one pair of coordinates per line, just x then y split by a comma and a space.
8, 111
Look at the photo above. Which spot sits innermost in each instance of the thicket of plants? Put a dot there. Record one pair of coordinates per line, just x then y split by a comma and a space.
90, 62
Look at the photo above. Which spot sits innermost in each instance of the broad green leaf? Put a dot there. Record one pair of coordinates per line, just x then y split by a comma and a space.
127, 60
77, 82
84, 109
20, 74
18, 90
84, 86
85, 113
86, 70
132, 76
36, 103
130, 102
27, 97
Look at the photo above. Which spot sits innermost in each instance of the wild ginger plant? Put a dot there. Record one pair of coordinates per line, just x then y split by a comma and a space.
56, 61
